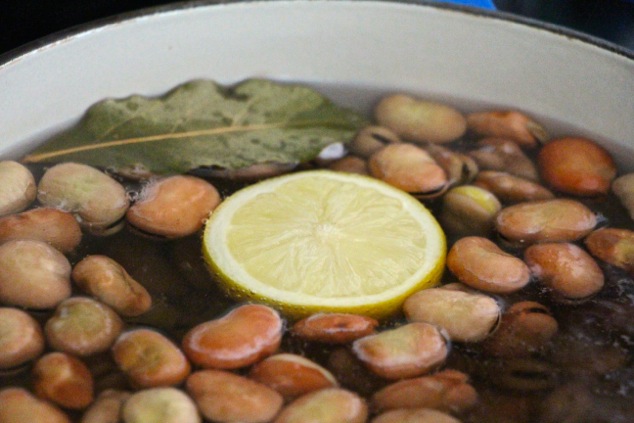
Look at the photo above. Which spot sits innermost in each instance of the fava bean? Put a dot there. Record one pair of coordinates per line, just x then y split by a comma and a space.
510, 188
371, 139
505, 156
173, 207
351, 373
33, 274
21, 338
225, 397
460, 168
334, 328
468, 210
160, 405
252, 173
108, 281
481, 264
409, 350
614, 246
510, 124
17, 190
524, 374
240, 338
106, 408
64, 380
414, 415
17, 405
350, 164
331, 405
55, 227
623, 187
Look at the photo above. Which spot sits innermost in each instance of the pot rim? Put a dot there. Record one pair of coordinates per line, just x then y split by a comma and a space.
76, 30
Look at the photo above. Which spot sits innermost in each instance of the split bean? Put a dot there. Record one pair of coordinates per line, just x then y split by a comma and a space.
557, 220
410, 350
97, 200
414, 415
334, 328
17, 405
64, 380
106, 408
350, 164
225, 397
292, 375
481, 264
448, 391
21, 338
160, 405
614, 246
173, 207
371, 139
33, 274
466, 315
510, 124
409, 168
505, 156
576, 166
420, 120
108, 281
55, 227
240, 338
468, 210
149, 359
330, 405
623, 187
510, 188
17, 190
83, 326
565, 269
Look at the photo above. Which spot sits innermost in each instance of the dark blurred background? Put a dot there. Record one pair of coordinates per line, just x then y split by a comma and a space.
22, 21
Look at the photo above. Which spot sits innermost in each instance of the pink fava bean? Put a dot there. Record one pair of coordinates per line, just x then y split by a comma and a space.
334, 328
64, 380
55, 227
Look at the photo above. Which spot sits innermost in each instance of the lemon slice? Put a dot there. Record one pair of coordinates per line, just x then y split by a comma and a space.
324, 241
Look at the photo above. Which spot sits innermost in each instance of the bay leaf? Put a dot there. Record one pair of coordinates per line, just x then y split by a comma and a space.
204, 124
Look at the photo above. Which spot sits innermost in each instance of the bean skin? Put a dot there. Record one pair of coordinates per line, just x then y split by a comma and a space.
334, 328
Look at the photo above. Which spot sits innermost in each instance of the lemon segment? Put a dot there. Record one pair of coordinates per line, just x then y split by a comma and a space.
319, 241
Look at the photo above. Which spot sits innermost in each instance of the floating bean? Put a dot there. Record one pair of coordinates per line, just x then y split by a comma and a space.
97, 201
64, 380
524, 374
623, 187
33, 274
510, 124
238, 339
225, 397
149, 359
481, 264
565, 269
83, 326
21, 338
447, 391
460, 168
173, 207
160, 405
371, 139
108, 281
55, 227
576, 166
466, 316
557, 220
331, 405
18, 189
334, 328
409, 168
510, 188
414, 415
419, 120
614, 246
106, 408
468, 210
17, 405
407, 351
292, 375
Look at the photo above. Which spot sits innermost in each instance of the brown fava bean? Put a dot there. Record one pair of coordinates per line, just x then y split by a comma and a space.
17, 405
149, 359
557, 220
33, 274
480, 264
510, 124
576, 166
420, 120
331, 405
371, 139
524, 374
240, 338
406, 351
108, 281
510, 188
21, 338
460, 168
64, 380
17, 190
225, 397
56, 227
468, 210
614, 246
83, 326
565, 269
447, 391
97, 200
334, 328
623, 187
350, 372
409, 168
173, 207
292, 375
350, 164
106, 408
504, 155
414, 415
160, 405
466, 316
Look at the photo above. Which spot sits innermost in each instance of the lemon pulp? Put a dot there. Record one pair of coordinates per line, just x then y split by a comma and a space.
324, 241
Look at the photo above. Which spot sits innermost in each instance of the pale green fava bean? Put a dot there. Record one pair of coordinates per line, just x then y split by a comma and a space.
160, 405
17, 405
415, 415
468, 210
330, 405
17, 187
